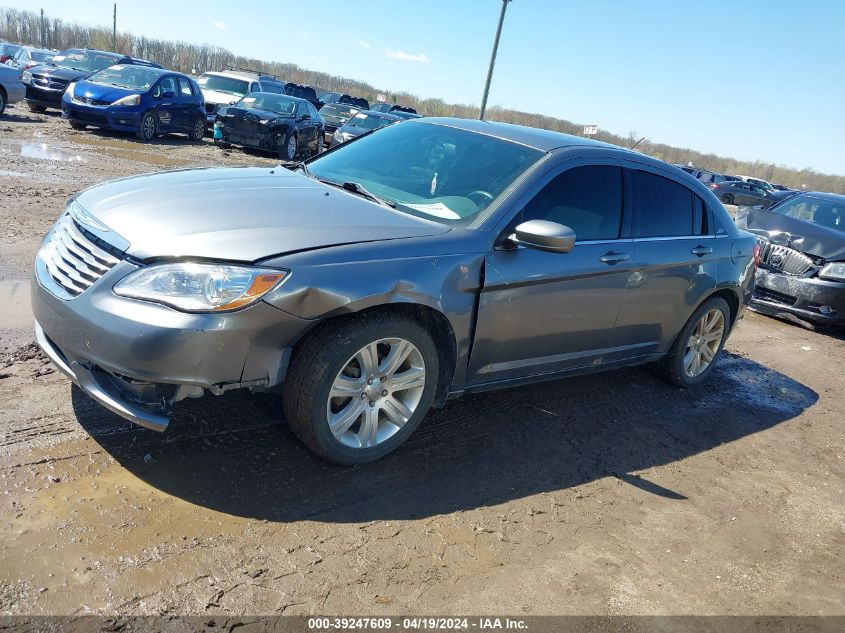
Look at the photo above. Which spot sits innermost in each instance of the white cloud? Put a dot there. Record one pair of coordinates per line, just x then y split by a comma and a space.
220, 25
364, 44
407, 57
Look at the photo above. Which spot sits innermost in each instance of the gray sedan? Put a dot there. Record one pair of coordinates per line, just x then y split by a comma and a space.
436, 258
744, 193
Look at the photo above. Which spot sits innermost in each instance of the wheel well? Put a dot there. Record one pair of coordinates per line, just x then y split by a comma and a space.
434, 321
732, 301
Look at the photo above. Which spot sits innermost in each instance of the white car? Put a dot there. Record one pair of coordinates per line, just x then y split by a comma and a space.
220, 89
11, 88
757, 181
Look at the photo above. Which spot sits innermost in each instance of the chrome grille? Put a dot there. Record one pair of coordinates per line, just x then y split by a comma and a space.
72, 260
783, 259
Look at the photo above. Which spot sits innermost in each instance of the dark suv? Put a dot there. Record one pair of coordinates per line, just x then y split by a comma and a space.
391, 108
303, 92
337, 97
46, 84
707, 177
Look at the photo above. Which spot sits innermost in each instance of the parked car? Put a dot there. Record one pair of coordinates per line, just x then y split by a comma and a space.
226, 87
434, 258
284, 125
335, 115
392, 108
362, 123
46, 84
781, 187
739, 192
11, 88
337, 97
140, 99
7, 51
706, 176
27, 57
757, 181
406, 115
802, 259
303, 92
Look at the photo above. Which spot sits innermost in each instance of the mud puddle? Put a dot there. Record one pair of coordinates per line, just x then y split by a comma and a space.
42, 151
14, 297
120, 148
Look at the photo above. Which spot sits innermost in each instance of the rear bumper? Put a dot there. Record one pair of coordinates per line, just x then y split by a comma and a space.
808, 298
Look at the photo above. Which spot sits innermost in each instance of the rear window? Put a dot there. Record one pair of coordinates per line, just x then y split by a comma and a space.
301, 92
663, 208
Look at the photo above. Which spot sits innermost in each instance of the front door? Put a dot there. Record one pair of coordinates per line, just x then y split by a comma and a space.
541, 312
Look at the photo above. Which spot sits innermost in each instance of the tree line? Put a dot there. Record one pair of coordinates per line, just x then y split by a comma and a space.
27, 27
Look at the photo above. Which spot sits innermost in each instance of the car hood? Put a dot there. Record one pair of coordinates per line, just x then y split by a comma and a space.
102, 92
264, 115
813, 239
219, 98
239, 214
59, 72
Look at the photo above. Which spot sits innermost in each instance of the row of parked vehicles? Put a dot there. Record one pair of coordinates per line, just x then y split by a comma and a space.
740, 190
239, 106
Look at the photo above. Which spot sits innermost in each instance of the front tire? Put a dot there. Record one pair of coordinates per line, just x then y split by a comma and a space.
356, 391
148, 127
697, 348
320, 143
77, 126
2, 101
289, 148
35, 108
728, 198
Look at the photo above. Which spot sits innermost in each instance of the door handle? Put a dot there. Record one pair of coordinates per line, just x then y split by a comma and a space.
614, 258
701, 251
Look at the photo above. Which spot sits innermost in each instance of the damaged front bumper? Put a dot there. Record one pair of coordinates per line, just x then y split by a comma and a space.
138, 358
808, 298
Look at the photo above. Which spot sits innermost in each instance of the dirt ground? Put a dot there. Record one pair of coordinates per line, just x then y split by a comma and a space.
608, 494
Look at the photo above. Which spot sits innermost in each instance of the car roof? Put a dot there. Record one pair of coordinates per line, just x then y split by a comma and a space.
234, 74
376, 113
543, 140
276, 94
822, 195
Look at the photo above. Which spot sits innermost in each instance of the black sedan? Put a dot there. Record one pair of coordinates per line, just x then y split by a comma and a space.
335, 115
362, 123
286, 126
801, 274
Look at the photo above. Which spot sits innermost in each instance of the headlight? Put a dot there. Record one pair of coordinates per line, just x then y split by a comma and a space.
131, 100
195, 287
834, 271
26, 77
70, 88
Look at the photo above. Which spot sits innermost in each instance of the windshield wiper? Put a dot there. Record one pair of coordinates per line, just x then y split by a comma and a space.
356, 187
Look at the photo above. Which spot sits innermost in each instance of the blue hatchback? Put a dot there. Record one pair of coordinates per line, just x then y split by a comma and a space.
130, 98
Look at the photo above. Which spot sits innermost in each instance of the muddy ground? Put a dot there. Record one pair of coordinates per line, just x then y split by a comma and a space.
609, 494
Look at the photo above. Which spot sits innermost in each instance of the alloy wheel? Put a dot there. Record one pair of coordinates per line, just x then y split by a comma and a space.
376, 392
291, 147
704, 342
199, 130
148, 127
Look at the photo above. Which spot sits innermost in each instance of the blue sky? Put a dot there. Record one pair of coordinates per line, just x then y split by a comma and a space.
751, 79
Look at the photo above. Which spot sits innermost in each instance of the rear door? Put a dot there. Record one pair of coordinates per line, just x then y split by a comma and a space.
540, 312
676, 261
188, 106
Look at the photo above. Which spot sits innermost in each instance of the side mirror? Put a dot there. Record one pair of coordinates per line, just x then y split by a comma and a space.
167, 94
305, 117
544, 236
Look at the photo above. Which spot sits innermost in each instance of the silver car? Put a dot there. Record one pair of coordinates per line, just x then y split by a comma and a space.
11, 88
432, 259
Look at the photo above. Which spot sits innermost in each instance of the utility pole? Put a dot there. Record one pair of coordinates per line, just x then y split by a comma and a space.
43, 39
114, 30
493, 59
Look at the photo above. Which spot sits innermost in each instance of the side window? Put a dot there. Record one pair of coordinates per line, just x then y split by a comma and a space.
185, 88
699, 217
166, 84
586, 199
662, 207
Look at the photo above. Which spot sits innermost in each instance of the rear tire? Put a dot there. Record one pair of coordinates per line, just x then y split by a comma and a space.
695, 335
35, 108
2, 101
147, 128
321, 367
77, 126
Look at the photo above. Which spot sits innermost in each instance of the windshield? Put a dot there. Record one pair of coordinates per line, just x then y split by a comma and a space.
84, 60
341, 111
429, 170
218, 83
40, 56
138, 78
273, 102
369, 121
815, 211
